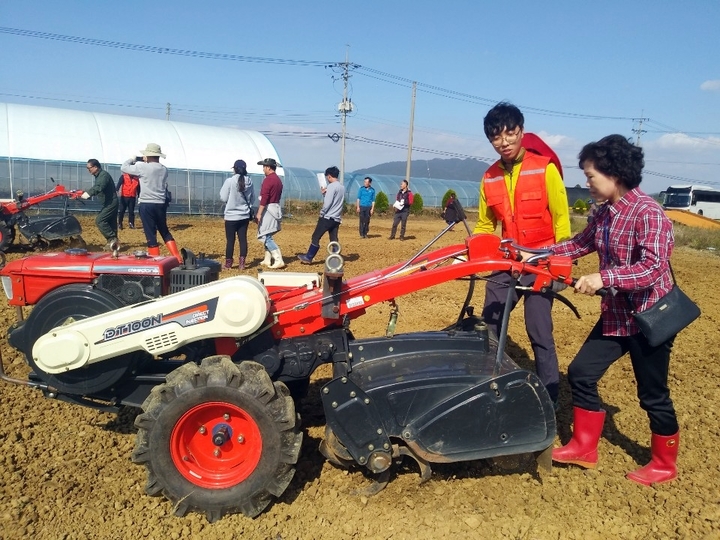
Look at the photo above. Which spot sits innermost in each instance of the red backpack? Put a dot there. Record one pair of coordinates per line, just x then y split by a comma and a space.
533, 143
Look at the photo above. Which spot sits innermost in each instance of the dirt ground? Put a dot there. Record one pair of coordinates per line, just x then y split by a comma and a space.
65, 471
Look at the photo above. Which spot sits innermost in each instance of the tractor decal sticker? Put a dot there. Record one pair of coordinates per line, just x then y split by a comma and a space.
131, 327
197, 314
354, 302
127, 269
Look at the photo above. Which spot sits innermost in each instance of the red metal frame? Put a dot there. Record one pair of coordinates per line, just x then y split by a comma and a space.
299, 312
15, 207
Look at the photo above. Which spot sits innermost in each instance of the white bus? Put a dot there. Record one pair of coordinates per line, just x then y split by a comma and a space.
701, 200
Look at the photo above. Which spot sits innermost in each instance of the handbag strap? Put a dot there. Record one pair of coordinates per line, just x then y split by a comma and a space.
246, 199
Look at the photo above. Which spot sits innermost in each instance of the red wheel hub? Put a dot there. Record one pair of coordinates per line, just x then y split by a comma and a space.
216, 445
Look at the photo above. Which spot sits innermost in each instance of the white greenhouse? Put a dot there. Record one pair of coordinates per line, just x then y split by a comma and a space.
39, 145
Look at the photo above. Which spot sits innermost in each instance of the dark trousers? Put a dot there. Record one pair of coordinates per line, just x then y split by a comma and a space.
650, 366
236, 229
538, 323
401, 218
364, 220
106, 220
127, 203
154, 220
325, 225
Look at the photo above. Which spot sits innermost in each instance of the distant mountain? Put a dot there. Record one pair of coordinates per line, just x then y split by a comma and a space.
453, 169
444, 169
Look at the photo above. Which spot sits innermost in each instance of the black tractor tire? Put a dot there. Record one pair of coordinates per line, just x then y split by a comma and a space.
7, 236
218, 438
73, 303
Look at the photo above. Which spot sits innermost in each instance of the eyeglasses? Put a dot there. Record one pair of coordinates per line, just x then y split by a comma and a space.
509, 138
90, 167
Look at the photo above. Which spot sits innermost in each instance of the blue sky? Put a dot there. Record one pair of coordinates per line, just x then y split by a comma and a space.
578, 70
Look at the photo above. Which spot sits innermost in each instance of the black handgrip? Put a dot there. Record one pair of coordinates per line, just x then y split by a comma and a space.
602, 291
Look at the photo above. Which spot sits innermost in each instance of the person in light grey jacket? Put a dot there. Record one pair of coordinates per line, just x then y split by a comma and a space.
330, 214
238, 195
152, 203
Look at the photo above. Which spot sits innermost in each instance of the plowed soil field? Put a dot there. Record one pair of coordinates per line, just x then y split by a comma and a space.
65, 471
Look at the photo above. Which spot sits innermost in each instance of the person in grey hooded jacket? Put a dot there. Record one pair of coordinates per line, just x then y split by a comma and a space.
238, 195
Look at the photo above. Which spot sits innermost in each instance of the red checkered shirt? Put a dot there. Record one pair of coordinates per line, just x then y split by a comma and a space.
634, 239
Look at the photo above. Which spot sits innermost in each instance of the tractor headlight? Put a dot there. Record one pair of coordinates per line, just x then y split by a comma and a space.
7, 286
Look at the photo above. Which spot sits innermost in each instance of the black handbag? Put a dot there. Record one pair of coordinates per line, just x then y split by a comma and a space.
668, 316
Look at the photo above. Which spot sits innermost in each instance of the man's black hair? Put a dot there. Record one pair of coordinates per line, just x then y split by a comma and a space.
332, 171
502, 116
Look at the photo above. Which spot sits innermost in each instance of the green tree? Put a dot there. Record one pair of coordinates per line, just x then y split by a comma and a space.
446, 197
381, 203
580, 207
417, 205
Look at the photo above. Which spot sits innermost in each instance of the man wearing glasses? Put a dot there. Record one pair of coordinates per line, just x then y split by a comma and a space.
524, 192
104, 188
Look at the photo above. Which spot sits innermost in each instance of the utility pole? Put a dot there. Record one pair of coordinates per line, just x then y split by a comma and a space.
410, 138
639, 131
167, 111
344, 108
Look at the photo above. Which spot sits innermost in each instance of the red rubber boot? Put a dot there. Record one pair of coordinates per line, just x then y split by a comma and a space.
154, 251
663, 465
173, 249
583, 446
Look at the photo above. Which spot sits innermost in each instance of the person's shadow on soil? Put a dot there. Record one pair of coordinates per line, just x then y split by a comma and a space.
311, 461
611, 433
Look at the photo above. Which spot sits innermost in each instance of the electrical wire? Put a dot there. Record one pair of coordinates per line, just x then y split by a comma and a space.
337, 67
161, 50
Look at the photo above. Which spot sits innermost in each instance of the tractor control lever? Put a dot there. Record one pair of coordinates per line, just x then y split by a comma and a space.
537, 254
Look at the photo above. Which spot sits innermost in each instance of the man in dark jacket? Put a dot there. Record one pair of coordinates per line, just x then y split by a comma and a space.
104, 188
402, 204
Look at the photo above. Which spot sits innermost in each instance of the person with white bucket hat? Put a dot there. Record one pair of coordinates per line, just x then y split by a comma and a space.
152, 202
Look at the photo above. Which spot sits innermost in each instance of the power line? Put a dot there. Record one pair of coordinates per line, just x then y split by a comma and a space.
160, 50
461, 96
374, 73
680, 178
366, 71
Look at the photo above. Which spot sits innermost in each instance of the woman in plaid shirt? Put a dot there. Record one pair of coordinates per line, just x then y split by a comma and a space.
634, 239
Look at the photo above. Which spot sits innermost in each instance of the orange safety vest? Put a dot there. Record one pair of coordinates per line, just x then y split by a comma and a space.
129, 185
530, 224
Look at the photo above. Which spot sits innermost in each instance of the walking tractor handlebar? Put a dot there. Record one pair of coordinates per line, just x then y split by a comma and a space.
300, 312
